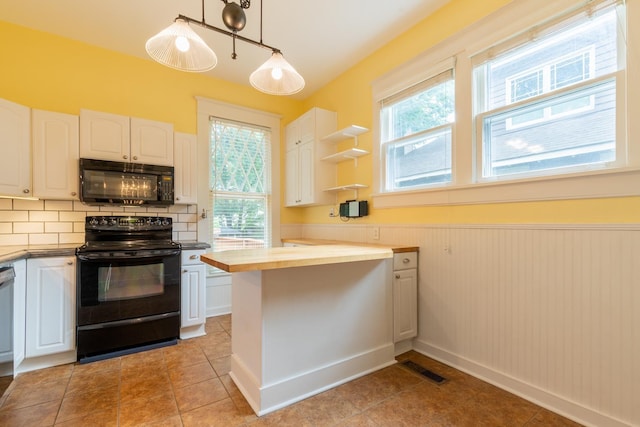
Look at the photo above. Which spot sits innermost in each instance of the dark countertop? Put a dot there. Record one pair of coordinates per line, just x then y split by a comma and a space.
9, 254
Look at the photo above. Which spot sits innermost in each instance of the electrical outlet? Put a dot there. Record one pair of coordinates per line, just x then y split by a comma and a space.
375, 233
332, 213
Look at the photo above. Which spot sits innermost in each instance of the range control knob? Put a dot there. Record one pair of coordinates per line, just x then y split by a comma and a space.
113, 221
103, 221
165, 221
93, 221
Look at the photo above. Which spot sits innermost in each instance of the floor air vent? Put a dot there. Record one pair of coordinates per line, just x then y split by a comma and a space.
424, 372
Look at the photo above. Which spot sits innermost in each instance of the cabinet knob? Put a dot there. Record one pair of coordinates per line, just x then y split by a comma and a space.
74, 194
135, 157
406, 260
397, 276
25, 191
193, 257
184, 271
125, 157
178, 198
69, 262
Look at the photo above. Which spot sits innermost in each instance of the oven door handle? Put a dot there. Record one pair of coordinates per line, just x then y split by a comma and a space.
98, 256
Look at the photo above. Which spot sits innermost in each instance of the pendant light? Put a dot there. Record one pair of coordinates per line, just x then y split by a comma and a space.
277, 77
179, 47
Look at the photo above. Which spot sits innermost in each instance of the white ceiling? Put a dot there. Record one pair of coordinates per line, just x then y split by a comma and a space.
320, 38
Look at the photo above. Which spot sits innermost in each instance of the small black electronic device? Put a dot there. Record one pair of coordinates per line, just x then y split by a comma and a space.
354, 209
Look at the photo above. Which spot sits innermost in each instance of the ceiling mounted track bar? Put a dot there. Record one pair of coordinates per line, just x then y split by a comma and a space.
228, 33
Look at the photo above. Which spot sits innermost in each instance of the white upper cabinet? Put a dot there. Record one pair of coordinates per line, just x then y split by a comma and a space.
151, 142
106, 136
186, 168
306, 176
55, 155
15, 140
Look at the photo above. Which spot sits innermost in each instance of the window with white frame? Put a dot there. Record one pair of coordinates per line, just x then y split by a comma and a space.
548, 105
240, 185
542, 105
416, 132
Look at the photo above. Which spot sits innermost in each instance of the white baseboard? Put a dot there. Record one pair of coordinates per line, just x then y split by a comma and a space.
531, 393
271, 397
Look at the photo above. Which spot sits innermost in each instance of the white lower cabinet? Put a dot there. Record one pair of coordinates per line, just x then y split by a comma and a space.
193, 298
405, 296
51, 306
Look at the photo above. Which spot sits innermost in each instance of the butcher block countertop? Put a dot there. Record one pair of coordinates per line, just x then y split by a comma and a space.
301, 256
317, 242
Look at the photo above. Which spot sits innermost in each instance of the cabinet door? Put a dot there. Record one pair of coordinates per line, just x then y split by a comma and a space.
15, 140
51, 306
405, 304
192, 311
151, 142
186, 168
55, 155
104, 136
306, 172
292, 179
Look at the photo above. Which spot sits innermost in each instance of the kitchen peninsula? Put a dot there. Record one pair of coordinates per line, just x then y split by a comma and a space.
306, 319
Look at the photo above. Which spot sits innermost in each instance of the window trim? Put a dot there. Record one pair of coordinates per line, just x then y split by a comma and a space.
501, 25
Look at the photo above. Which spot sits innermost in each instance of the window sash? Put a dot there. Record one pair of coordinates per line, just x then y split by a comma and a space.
390, 143
235, 228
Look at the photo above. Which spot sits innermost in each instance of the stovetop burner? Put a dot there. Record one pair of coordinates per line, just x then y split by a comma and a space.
126, 233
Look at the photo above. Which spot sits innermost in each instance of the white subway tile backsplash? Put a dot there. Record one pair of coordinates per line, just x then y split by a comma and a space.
14, 216
187, 218
179, 209
28, 227
59, 227
43, 239
14, 239
79, 206
43, 216
65, 238
24, 222
28, 205
58, 205
180, 226
73, 216
187, 235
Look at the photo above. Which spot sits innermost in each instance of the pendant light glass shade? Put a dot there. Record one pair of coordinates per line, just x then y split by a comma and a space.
277, 77
179, 47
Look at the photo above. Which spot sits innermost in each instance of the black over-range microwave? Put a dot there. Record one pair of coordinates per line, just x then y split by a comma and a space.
130, 184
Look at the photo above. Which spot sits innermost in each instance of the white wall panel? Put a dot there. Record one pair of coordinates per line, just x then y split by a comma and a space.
550, 312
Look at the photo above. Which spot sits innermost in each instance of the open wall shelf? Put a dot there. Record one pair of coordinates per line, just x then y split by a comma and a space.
350, 154
349, 132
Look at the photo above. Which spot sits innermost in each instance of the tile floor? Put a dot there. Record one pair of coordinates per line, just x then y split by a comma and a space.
188, 385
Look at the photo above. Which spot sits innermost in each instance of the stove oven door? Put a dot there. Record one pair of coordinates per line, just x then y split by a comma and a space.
127, 301
120, 285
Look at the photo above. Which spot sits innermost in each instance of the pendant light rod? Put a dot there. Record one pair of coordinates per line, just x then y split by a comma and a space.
228, 33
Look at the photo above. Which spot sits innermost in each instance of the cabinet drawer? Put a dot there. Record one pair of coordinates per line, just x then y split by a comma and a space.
192, 257
404, 260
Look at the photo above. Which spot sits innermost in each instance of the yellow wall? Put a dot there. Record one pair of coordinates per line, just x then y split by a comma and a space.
350, 96
57, 74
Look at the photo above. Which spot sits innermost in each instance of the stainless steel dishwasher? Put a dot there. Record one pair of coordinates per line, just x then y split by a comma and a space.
7, 274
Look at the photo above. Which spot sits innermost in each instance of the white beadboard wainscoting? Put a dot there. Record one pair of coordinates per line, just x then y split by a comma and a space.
549, 312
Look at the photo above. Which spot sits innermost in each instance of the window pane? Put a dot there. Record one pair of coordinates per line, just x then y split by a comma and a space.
417, 131
581, 138
238, 223
420, 161
240, 185
571, 55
